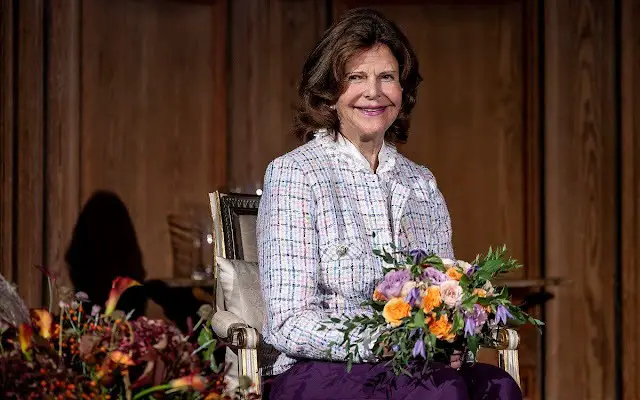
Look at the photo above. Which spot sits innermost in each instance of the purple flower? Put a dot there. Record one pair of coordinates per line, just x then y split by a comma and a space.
82, 297
418, 255
418, 349
502, 314
472, 270
393, 283
434, 276
95, 310
395, 348
469, 326
475, 320
413, 297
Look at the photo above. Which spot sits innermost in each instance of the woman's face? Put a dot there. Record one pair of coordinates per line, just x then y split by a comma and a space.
372, 94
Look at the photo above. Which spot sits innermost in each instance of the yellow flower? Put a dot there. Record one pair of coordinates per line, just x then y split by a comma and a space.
377, 296
395, 310
454, 274
25, 332
480, 292
43, 321
195, 381
441, 328
118, 287
121, 358
431, 299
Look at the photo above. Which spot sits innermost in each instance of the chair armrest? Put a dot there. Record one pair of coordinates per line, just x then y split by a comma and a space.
506, 339
235, 330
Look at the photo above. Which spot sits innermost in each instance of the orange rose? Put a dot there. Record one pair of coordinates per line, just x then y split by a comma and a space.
480, 292
441, 328
454, 274
395, 310
377, 296
431, 299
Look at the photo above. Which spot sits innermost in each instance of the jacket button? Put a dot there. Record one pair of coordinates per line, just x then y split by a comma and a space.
341, 250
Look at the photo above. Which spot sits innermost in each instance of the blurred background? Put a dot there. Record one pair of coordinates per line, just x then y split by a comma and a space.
117, 117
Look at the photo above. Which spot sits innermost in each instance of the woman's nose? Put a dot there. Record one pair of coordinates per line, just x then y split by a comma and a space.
373, 88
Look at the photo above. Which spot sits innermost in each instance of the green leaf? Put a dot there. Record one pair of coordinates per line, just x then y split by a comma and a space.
418, 320
458, 322
470, 301
204, 336
473, 343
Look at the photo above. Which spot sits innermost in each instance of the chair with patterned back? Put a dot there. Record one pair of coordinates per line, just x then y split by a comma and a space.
239, 305
239, 314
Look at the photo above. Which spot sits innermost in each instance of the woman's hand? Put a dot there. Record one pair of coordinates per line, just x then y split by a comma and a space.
456, 359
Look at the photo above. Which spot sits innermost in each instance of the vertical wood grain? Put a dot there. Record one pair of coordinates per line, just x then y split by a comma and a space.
630, 213
219, 103
269, 43
580, 205
6, 137
63, 131
29, 156
147, 129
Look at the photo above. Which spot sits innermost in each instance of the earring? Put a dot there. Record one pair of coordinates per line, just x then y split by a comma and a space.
333, 106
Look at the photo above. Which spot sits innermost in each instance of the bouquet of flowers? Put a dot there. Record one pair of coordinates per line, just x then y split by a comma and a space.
427, 305
96, 354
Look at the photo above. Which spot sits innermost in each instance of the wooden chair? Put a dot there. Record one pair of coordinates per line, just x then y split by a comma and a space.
234, 218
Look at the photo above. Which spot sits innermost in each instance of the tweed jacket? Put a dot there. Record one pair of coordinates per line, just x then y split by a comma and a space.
321, 215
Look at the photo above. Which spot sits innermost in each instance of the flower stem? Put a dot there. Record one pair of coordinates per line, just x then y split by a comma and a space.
60, 330
150, 390
50, 294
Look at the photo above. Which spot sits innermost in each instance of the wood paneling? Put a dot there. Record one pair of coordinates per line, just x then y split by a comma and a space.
29, 155
6, 138
580, 204
630, 215
62, 167
467, 126
147, 129
269, 43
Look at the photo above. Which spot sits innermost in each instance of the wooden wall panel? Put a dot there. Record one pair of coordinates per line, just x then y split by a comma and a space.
630, 215
580, 203
467, 126
147, 129
62, 167
269, 43
6, 137
29, 155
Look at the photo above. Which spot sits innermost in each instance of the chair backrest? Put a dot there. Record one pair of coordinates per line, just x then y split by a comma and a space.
234, 225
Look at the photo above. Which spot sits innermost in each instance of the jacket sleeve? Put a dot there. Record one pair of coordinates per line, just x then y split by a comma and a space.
441, 220
289, 260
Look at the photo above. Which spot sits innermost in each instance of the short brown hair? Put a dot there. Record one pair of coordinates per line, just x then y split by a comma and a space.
324, 72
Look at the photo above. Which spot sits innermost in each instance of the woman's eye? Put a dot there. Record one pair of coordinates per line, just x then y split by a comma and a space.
388, 77
353, 78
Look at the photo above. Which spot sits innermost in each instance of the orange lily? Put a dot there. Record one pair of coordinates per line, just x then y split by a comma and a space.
121, 358
119, 285
44, 322
25, 332
195, 381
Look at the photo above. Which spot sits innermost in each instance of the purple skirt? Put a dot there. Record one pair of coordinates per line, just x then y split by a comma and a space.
319, 380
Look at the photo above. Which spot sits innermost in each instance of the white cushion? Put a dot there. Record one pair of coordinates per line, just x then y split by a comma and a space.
238, 291
240, 283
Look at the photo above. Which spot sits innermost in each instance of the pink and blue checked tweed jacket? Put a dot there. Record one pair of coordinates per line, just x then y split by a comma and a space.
321, 215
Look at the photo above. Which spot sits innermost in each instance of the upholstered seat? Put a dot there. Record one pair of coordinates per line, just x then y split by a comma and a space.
239, 304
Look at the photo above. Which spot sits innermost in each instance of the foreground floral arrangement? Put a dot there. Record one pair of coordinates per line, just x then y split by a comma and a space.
428, 306
90, 354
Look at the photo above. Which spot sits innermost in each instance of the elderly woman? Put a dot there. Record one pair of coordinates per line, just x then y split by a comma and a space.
328, 203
